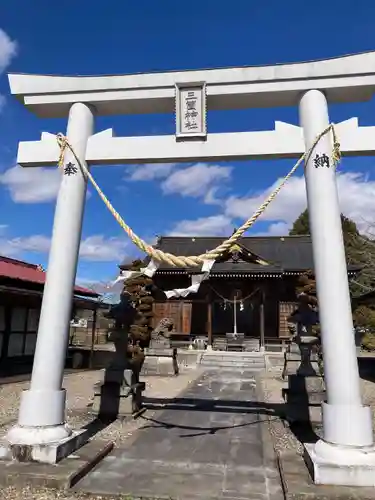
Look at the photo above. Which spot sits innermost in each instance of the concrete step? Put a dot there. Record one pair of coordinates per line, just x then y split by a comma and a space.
234, 357
235, 367
233, 360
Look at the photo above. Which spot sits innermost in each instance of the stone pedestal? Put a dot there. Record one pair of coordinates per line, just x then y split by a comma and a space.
333, 465
160, 361
303, 398
120, 394
160, 342
306, 389
300, 359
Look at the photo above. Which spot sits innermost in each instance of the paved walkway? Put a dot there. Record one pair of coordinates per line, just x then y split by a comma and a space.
210, 443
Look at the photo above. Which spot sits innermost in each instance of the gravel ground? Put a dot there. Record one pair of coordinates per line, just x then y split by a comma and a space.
284, 439
79, 392
42, 494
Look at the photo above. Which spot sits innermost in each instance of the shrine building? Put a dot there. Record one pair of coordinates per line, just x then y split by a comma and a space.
257, 276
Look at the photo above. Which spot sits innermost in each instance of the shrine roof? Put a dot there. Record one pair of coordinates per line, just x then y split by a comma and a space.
280, 255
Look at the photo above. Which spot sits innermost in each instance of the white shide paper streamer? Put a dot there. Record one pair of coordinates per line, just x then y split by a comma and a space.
149, 271
152, 267
196, 281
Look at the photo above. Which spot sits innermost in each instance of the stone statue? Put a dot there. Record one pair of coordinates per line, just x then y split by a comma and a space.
160, 336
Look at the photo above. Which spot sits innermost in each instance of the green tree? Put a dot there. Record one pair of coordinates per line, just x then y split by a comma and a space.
301, 226
352, 240
360, 251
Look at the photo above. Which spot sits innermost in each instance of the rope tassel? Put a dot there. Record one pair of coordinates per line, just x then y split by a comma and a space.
195, 260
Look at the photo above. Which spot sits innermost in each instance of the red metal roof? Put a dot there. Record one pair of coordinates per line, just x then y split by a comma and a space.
24, 271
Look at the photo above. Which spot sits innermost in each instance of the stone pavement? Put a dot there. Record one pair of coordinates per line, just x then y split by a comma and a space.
210, 443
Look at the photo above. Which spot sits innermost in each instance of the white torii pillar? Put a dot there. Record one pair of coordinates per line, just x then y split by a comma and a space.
41, 419
347, 441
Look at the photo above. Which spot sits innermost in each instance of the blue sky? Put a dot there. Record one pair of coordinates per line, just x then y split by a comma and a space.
112, 37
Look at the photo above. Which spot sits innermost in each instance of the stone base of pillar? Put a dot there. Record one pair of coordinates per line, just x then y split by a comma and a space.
340, 466
41, 434
38, 436
14, 447
346, 454
209, 347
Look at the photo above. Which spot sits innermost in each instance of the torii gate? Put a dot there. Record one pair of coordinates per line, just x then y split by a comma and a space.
347, 444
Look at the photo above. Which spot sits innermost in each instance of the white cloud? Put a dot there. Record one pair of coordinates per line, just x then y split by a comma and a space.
98, 248
216, 225
94, 248
356, 194
31, 185
15, 246
109, 293
275, 229
199, 180
150, 171
8, 50
2, 102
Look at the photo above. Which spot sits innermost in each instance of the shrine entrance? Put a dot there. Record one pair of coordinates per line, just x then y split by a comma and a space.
223, 322
236, 315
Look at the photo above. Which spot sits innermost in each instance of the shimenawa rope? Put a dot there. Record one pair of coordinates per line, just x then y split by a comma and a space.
194, 260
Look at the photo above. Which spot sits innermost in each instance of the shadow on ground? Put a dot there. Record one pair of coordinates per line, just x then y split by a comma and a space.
303, 431
366, 367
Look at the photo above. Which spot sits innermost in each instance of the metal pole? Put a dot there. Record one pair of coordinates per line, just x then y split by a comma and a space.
235, 314
261, 314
